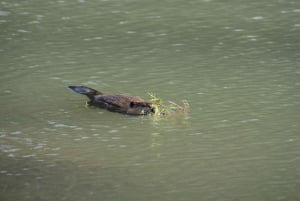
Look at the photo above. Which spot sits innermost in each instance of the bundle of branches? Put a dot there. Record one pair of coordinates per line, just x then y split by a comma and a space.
169, 108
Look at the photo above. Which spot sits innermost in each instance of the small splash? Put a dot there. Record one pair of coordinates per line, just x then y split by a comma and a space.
239, 30
113, 131
39, 17
64, 126
38, 147
178, 44
4, 13
22, 31
61, 125
7, 91
257, 18
29, 156
65, 18
249, 120
55, 78
24, 13
116, 11
16, 133
198, 133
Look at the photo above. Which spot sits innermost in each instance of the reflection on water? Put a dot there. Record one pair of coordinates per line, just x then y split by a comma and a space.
236, 63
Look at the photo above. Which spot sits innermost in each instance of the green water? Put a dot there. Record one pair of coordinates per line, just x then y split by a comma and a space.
236, 62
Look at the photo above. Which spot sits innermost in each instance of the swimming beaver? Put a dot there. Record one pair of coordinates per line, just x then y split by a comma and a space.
116, 103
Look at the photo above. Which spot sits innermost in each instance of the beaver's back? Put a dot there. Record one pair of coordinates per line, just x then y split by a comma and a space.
123, 104
116, 103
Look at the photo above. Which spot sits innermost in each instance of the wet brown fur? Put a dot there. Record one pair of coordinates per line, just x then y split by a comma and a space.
116, 103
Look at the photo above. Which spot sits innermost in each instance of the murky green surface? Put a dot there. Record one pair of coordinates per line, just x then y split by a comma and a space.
236, 62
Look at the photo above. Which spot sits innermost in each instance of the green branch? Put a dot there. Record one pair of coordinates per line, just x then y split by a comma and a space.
166, 109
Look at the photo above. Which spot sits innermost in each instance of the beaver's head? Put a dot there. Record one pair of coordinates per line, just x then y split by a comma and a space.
140, 108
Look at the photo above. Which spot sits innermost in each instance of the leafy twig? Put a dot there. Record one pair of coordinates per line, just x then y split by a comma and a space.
162, 109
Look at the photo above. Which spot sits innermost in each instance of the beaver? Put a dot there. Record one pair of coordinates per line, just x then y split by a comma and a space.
124, 104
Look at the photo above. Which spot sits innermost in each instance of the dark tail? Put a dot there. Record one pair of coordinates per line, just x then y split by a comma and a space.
89, 92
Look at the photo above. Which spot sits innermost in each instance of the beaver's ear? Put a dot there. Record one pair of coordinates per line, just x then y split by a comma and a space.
136, 104
132, 104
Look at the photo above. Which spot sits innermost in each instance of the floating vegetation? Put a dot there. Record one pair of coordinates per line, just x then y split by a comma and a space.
161, 108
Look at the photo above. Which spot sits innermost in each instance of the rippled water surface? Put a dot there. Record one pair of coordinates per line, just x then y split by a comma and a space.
236, 62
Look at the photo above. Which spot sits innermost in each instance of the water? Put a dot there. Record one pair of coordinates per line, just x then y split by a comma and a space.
237, 64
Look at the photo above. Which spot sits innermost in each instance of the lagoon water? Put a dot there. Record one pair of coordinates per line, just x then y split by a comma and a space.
236, 62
